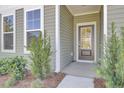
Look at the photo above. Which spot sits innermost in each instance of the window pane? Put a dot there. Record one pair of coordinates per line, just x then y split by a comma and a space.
8, 23
86, 37
37, 14
29, 15
36, 24
8, 41
29, 25
33, 19
32, 34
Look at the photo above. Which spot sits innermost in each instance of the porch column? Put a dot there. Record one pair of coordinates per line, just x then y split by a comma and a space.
105, 22
105, 26
57, 27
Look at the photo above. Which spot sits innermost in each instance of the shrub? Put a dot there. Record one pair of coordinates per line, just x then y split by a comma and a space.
111, 66
14, 66
17, 67
4, 65
40, 55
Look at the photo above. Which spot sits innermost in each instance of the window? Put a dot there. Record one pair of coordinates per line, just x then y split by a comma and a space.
86, 35
8, 34
33, 25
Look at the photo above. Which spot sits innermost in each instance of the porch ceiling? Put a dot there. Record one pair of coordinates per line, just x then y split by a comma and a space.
77, 10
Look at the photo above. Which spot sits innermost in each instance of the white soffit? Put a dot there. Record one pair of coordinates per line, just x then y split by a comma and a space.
78, 10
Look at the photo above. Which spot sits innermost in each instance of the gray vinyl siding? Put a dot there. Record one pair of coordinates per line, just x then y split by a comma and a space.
49, 24
101, 35
88, 18
116, 15
66, 36
0, 32
20, 31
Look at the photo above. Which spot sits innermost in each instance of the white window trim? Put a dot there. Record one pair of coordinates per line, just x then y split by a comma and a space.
14, 34
41, 25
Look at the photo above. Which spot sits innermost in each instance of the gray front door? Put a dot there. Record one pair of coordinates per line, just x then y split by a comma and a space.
86, 42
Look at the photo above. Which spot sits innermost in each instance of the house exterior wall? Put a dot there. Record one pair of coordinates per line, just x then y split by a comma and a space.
49, 26
88, 18
66, 36
101, 35
115, 13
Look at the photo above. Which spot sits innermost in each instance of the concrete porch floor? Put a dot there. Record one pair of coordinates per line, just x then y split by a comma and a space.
81, 69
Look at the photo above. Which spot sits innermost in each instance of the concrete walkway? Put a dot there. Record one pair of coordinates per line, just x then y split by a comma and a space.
76, 82
81, 69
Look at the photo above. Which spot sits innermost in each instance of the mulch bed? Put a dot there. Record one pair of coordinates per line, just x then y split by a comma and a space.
99, 83
3, 78
51, 81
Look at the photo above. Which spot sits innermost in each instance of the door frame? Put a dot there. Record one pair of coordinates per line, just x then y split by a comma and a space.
77, 42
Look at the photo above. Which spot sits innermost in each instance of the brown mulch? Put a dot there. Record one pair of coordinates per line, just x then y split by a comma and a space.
51, 81
3, 78
26, 83
99, 83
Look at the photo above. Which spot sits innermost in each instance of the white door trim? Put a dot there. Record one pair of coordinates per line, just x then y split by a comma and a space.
77, 43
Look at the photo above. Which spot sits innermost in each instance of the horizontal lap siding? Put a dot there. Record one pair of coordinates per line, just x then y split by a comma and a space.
20, 31
0, 32
49, 26
116, 15
66, 36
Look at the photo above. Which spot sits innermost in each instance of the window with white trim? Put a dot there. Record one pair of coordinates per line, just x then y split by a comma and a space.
8, 33
33, 22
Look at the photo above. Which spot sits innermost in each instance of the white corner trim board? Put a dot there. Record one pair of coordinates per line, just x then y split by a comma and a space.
57, 27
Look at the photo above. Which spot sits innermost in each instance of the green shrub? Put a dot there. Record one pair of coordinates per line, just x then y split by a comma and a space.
40, 55
14, 66
4, 65
111, 66
17, 67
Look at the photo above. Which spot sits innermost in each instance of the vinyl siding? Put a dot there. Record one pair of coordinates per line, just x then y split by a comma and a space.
116, 15
88, 18
0, 32
49, 26
66, 36
20, 31
101, 34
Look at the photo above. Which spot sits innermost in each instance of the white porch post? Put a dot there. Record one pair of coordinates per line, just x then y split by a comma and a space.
105, 25
57, 27
105, 22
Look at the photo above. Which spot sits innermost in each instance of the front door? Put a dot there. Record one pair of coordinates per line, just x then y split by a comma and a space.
86, 42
